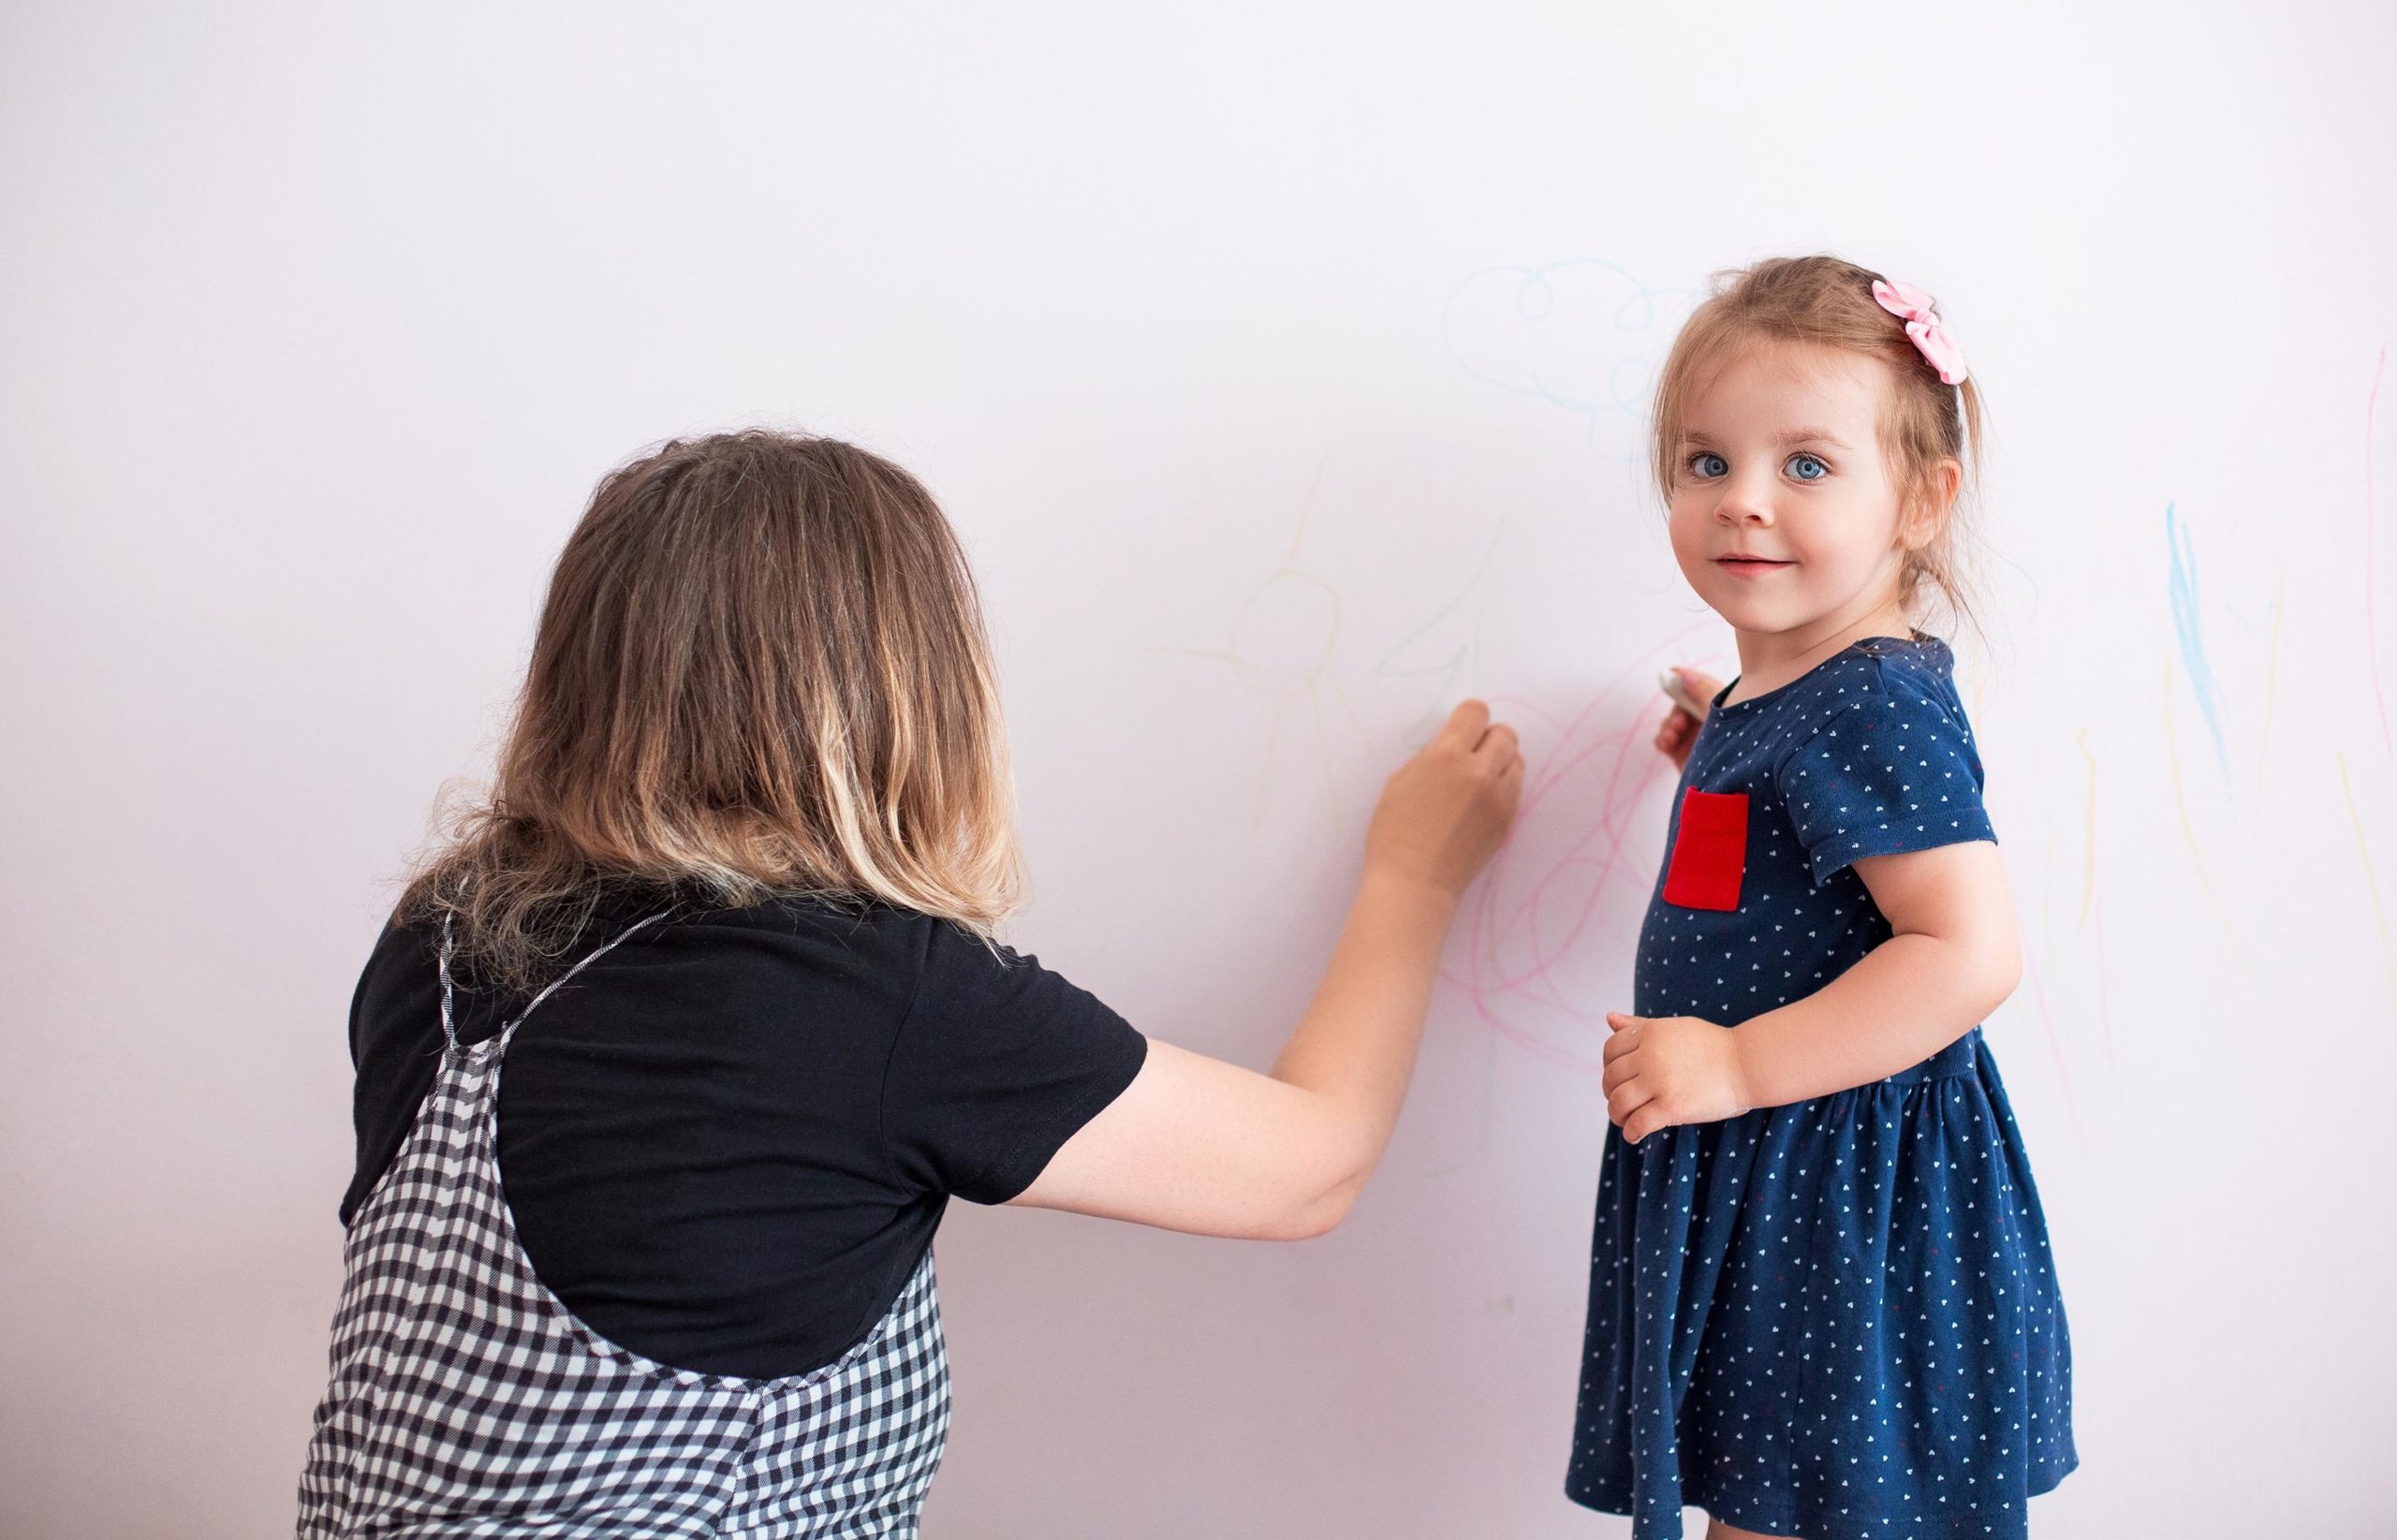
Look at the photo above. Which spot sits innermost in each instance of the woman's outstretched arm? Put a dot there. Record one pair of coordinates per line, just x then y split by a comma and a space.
1200, 1144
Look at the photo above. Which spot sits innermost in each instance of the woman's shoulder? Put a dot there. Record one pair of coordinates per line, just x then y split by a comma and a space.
935, 954
895, 951
861, 919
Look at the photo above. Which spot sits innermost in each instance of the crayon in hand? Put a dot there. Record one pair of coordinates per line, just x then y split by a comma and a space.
1678, 693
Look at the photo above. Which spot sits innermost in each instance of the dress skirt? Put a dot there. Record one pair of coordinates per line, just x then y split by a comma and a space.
1836, 1319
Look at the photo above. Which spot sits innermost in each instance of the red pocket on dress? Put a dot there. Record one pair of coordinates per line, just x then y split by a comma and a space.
1711, 851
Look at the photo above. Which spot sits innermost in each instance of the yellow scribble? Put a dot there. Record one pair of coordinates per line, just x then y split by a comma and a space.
1287, 678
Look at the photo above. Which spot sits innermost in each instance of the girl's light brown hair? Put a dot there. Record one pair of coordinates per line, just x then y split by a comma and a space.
1823, 302
762, 669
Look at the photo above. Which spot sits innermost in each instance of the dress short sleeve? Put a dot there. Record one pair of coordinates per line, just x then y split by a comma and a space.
999, 1061
1894, 773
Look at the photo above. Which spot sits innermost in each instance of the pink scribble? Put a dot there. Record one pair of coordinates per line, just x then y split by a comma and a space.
1585, 752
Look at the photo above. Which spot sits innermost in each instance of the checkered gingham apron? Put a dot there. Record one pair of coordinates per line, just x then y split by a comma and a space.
466, 1400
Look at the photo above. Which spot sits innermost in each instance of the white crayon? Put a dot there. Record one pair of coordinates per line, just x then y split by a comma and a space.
1670, 682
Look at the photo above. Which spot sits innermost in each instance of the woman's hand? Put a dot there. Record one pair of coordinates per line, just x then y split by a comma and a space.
1678, 730
1445, 813
1667, 1070
1200, 1144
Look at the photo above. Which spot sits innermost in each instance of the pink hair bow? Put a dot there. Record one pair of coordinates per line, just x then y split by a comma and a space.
1923, 327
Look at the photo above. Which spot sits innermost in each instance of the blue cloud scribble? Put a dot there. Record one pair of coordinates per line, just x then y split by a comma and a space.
1583, 336
2183, 583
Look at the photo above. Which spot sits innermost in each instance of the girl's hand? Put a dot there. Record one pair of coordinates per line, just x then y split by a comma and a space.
1667, 1070
1444, 813
1678, 730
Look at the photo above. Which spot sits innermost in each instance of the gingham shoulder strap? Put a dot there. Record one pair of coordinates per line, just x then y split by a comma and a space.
449, 1024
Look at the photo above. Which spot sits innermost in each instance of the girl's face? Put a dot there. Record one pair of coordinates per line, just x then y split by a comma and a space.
1783, 517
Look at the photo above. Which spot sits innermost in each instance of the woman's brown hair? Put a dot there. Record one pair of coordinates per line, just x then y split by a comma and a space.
761, 670
1823, 301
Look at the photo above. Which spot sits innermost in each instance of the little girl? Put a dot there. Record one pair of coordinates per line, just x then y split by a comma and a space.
1821, 1302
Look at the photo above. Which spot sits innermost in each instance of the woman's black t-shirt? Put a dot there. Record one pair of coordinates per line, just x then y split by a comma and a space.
727, 1142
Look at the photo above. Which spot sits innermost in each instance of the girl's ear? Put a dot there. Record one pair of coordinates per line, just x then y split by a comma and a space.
1927, 512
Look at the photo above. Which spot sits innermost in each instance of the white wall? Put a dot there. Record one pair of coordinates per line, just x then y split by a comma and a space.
1213, 331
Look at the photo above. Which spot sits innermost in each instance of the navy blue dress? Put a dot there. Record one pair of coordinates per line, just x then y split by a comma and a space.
1836, 1319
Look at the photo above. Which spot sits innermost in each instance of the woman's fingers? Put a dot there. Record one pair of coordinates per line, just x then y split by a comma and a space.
1466, 725
1445, 812
1508, 790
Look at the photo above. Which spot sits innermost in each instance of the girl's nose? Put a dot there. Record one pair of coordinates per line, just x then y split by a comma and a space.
1743, 504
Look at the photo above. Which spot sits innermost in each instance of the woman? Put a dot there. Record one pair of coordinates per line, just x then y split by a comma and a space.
738, 872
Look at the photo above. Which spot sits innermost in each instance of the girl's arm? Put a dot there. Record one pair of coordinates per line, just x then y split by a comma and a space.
1952, 958
1200, 1144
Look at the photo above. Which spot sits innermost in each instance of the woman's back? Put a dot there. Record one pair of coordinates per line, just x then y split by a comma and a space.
727, 1142
728, 1137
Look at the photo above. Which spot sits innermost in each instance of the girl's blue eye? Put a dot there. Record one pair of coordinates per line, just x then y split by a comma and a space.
1707, 462
1805, 467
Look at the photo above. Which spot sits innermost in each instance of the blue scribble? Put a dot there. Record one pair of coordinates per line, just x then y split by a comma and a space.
1464, 660
2185, 620
1582, 335
1466, 651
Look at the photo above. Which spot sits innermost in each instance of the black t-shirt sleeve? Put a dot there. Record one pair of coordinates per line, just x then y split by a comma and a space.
998, 1063
394, 1046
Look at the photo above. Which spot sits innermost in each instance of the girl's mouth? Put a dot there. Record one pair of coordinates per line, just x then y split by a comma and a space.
1750, 566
